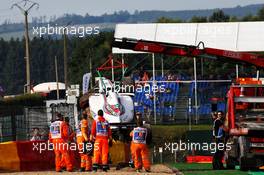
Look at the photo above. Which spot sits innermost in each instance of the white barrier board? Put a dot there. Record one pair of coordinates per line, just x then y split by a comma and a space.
235, 36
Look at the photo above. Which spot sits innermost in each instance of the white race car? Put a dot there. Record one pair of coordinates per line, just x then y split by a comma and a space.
118, 107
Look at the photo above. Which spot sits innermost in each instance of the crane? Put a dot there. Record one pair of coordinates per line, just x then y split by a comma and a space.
188, 50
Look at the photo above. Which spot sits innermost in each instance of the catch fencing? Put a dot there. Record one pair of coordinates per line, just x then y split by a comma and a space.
23, 124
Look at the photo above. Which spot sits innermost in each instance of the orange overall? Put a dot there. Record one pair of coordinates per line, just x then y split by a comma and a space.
101, 132
82, 137
139, 149
71, 153
59, 137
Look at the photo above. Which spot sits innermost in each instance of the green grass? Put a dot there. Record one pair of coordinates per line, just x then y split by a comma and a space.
165, 133
204, 169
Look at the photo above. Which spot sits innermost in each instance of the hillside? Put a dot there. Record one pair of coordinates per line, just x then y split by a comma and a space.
97, 47
7, 30
152, 16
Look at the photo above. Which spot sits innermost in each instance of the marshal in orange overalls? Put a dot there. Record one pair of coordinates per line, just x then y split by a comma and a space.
59, 136
70, 140
102, 133
139, 149
82, 138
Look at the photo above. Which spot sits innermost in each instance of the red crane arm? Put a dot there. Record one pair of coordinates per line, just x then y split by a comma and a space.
109, 64
187, 50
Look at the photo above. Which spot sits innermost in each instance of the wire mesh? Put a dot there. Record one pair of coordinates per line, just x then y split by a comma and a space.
33, 121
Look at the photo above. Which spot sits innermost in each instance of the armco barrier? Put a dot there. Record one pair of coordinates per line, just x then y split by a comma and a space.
21, 156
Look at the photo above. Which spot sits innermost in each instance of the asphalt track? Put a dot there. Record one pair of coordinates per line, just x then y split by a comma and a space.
155, 169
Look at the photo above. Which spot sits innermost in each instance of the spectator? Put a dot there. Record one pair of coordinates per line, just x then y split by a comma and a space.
219, 135
36, 135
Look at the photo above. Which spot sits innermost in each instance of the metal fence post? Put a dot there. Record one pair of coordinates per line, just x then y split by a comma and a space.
175, 156
13, 125
160, 151
190, 113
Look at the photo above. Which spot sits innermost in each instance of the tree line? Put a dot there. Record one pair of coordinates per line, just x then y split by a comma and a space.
137, 16
97, 47
217, 16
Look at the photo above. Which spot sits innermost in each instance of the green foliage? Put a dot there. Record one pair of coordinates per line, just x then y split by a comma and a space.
250, 18
97, 48
126, 17
198, 19
219, 16
258, 17
233, 19
261, 14
43, 52
23, 100
149, 16
168, 20
216, 16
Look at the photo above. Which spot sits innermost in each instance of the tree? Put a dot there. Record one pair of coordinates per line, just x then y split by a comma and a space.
168, 20
233, 19
219, 16
198, 19
250, 18
261, 14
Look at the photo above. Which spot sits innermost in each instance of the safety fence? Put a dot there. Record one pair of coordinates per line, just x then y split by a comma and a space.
31, 122
196, 146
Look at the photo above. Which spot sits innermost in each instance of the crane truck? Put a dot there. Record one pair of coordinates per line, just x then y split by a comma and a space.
245, 114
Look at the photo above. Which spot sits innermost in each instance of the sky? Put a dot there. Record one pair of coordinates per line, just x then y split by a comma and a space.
98, 7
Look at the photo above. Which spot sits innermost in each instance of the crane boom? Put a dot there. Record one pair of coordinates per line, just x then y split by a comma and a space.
187, 50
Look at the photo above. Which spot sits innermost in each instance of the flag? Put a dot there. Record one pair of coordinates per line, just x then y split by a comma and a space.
86, 79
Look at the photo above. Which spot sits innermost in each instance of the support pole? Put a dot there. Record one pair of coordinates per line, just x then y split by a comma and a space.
154, 84
27, 53
257, 74
256, 89
237, 75
195, 89
113, 73
123, 62
202, 67
57, 78
162, 66
91, 69
14, 127
190, 113
65, 58
25, 6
